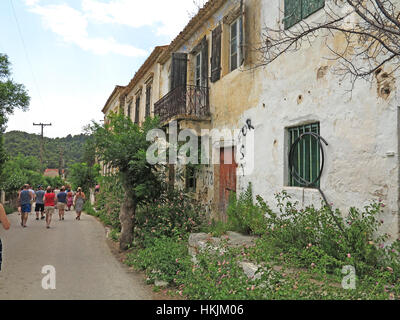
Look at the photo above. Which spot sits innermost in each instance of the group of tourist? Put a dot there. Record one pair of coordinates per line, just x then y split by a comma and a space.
46, 202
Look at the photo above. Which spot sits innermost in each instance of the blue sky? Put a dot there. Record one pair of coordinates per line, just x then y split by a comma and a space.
78, 50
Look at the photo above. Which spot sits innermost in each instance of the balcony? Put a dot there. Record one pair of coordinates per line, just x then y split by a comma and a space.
184, 102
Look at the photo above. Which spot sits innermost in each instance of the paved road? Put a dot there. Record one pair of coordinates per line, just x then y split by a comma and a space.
85, 266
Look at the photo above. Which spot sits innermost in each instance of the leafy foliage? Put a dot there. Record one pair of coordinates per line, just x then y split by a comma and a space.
122, 145
173, 215
109, 201
17, 142
243, 215
300, 254
12, 96
20, 170
164, 260
84, 176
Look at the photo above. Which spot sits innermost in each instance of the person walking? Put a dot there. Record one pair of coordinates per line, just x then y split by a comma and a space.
61, 202
70, 199
50, 201
33, 194
19, 201
25, 197
39, 206
78, 203
6, 225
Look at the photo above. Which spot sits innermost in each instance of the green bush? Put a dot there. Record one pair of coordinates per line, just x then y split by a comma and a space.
164, 260
244, 216
109, 201
324, 238
175, 214
9, 210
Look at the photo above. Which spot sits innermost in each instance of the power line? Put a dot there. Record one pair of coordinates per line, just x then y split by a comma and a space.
26, 51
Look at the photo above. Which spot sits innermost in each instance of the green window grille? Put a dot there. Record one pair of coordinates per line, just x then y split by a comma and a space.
297, 10
307, 156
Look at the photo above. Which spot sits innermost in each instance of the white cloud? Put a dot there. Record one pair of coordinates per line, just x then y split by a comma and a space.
72, 26
168, 17
31, 2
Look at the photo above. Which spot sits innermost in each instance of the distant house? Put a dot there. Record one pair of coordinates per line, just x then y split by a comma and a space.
52, 173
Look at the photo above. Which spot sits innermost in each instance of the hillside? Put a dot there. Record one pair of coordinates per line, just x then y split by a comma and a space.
16, 142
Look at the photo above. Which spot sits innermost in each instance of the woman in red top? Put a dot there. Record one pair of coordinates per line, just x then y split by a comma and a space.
50, 200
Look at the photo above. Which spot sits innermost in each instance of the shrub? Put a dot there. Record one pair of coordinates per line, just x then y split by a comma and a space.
163, 260
244, 216
175, 214
322, 235
109, 201
9, 210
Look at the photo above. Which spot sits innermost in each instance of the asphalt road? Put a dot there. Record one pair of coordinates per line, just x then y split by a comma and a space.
85, 267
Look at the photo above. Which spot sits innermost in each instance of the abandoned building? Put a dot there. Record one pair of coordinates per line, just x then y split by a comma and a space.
206, 79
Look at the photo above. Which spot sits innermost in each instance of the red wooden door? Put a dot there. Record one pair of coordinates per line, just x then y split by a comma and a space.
227, 178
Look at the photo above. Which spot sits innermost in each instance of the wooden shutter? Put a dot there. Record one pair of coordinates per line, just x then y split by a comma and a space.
129, 109
216, 54
311, 6
148, 100
204, 62
293, 11
178, 70
137, 110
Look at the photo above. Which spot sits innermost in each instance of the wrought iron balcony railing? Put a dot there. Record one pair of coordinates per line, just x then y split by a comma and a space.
182, 102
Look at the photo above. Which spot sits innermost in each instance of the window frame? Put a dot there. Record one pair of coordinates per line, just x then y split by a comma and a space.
307, 167
238, 38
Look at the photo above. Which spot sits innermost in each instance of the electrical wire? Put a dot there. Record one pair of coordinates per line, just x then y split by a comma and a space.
26, 51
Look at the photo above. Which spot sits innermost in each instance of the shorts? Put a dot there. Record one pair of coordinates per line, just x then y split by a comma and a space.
26, 208
61, 206
49, 210
39, 207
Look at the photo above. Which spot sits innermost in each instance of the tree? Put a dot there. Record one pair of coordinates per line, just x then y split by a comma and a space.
83, 175
18, 171
12, 96
122, 145
370, 30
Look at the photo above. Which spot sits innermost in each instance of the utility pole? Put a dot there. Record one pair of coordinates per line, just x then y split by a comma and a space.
41, 140
61, 162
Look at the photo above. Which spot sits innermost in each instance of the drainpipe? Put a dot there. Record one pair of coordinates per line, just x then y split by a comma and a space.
243, 31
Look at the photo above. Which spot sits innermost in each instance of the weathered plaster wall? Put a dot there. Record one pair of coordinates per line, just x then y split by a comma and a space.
152, 76
362, 130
